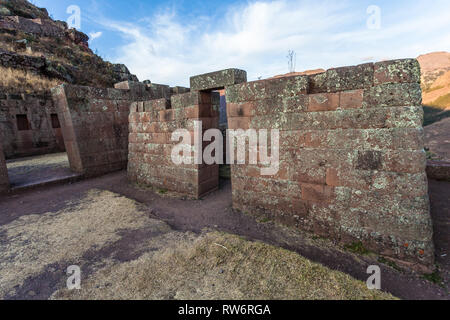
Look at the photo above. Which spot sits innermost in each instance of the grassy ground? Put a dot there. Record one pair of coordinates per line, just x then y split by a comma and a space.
24, 165
221, 266
164, 264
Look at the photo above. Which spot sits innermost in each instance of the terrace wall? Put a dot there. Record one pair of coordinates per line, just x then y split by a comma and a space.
151, 126
352, 160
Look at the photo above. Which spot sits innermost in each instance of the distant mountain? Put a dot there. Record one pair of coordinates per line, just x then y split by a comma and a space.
22, 8
436, 79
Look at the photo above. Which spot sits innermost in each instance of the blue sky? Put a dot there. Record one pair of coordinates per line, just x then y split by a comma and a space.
168, 41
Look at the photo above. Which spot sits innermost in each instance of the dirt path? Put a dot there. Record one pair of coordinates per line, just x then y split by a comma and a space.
215, 213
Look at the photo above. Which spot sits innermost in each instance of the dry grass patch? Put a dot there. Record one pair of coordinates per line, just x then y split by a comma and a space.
220, 266
442, 102
27, 82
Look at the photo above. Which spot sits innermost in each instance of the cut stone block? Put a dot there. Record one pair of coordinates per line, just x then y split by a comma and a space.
218, 80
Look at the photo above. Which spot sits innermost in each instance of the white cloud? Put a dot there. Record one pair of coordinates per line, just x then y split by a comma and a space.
256, 37
95, 35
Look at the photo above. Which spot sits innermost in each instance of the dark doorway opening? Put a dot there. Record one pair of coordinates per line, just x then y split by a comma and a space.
42, 163
55, 121
221, 105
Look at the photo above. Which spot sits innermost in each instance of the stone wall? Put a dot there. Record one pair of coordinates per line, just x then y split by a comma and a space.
4, 180
94, 122
27, 127
153, 122
438, 170
352, 160
95, 127
151, 126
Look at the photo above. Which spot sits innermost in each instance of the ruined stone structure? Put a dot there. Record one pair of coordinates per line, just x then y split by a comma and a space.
95, 128
151, 126
35, 46
94, 122
153, 122
29, 125
351, 167
352, 164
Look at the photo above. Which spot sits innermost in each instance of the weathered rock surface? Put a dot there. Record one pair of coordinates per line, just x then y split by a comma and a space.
218, 79
34, 42
22, 8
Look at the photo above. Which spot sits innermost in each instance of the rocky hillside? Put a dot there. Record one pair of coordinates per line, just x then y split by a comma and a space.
35, 49
21, 8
